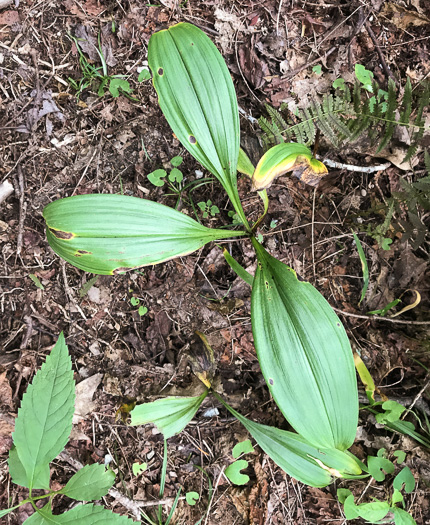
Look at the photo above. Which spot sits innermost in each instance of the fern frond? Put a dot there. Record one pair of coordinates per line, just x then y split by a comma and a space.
389, 115
427, 161
406, 103
419, 122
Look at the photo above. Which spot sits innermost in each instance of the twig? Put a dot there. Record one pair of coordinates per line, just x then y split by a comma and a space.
417, 397
22, 211
372, 35
376, 318
213, 494
69, 292
351, 167
309, 64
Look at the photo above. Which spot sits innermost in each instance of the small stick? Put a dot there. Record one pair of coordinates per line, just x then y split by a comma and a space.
352, 167
309, 64
372, 35
22, 211
376, 318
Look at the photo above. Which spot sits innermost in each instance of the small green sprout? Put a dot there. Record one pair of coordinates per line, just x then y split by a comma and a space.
208, 208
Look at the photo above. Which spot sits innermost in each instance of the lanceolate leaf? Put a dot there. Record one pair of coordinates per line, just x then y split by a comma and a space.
90, 483
44, 420
170, 415
196, 94
304, 354
108, 234
81, 515
301, 460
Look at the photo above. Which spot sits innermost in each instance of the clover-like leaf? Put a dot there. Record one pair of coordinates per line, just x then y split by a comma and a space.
404, 478
243, 447
233, 472
377, 465
192, 497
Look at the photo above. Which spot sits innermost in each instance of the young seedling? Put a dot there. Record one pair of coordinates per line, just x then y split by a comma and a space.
116, 84
42, 429
208, 209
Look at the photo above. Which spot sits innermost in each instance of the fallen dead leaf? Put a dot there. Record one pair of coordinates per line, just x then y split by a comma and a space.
5, 391
402, 17
84, 397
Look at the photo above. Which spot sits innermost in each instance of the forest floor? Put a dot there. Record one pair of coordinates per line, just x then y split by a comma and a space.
56, 142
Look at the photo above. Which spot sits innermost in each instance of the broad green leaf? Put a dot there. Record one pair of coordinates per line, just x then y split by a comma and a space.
406, 478
243, 447
196, 94
296, 456
170, 415
244, 164
90, 483
19, 475
397, 497
374, 511
287, 157
233, 472
109, 234
44, 420
377, 465
80, 515
350, 508
401, 517
304, 354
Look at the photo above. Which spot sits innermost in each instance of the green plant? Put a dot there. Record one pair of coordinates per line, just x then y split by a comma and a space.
142, 310
302, 347
42, 430
380, 466
346, 116
208, 209
233, 470
116, 84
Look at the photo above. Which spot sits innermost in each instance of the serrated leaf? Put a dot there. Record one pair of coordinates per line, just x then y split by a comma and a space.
170, 415
401, 517
377, 465
304, 354
373, 511
196, 94
406, 478
19, 475
243, 447
296, 456
44, 420
90, 483
233, 472
109, 234
80, 515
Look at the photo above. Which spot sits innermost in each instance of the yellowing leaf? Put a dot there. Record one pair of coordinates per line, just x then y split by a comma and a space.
284, 158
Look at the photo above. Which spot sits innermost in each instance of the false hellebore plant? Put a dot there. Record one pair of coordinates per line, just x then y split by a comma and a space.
302, 347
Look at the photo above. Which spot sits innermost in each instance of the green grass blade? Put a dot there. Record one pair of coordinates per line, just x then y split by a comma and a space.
364, 267
109, 234
304, 354
196, 94
44, 420
238, 269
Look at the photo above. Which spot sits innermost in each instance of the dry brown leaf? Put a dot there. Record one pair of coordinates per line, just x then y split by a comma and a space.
402, 17
84, 397
9, 18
